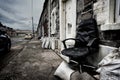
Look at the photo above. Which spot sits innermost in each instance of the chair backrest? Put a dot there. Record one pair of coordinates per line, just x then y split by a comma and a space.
86, 31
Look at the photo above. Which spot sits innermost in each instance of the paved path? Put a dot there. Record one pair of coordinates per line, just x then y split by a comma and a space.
32, 63
5, 58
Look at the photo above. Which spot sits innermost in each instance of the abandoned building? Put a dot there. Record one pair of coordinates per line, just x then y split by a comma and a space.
60, 18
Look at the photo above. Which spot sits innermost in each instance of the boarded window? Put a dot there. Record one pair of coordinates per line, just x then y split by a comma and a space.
69, 28
117, 11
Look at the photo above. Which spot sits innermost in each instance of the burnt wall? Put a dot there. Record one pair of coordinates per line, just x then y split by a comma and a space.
55, 4
110, 38
43, 23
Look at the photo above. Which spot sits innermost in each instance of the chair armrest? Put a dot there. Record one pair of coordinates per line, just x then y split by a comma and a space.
92, 42
64, 41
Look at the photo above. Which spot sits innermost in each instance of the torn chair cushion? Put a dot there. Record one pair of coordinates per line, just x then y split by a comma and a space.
76, 53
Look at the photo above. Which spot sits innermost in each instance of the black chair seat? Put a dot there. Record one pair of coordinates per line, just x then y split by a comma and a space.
76, 53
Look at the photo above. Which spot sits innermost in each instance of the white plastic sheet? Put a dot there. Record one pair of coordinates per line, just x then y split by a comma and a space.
64, 71
110, 66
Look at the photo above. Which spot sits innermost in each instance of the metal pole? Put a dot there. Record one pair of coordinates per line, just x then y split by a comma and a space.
32, 26
32, 17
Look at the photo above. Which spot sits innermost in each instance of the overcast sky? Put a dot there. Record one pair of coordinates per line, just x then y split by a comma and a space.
17, 13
